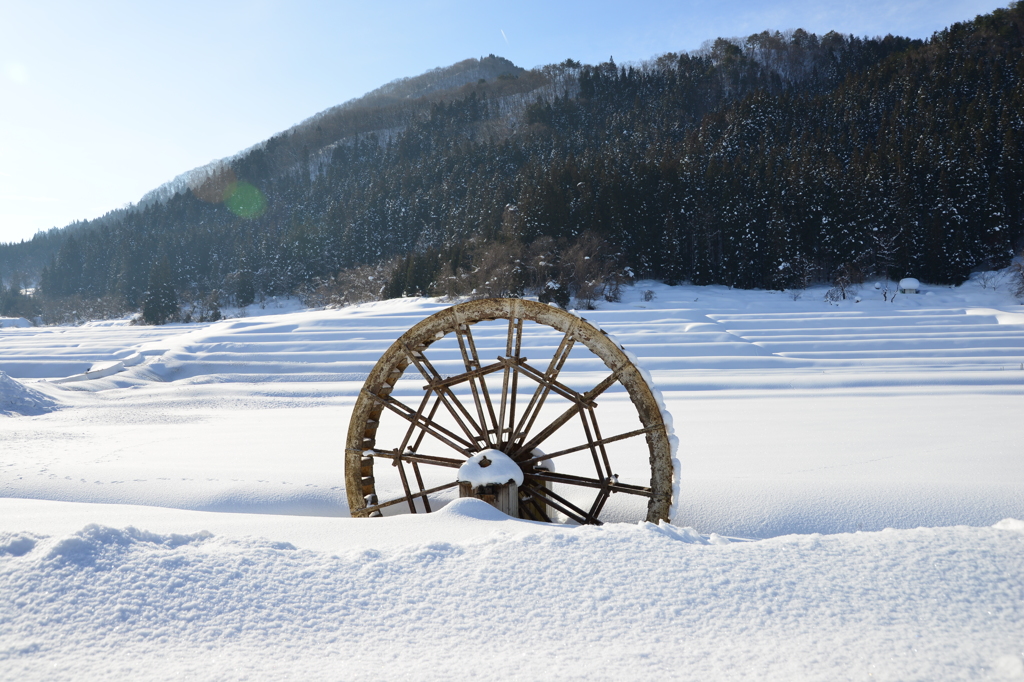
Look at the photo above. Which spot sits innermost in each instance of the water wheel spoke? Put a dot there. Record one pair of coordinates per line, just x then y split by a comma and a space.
597, 447
433, 428
560, 421
555, 386
413, 424
430, 418
602, 497
399, 500
541, 393
585, 482
533, 508
417, 457
513, 346
398, 461
601, 473
466, 376
481, 397
451, 402
528, 419
578, 448
405, 485
579, 516
553, 499
448, 397
419, 482
483, 385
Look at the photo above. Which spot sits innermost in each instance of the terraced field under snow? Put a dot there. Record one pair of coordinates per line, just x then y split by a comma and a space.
793, 416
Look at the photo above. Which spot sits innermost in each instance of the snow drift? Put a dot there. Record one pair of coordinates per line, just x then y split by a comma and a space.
18, 399
619, 602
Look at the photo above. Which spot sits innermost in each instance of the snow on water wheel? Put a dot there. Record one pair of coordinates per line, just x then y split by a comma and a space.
493, 374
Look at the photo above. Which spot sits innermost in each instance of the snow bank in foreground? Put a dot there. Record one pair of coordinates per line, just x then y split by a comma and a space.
18, 399
617, 602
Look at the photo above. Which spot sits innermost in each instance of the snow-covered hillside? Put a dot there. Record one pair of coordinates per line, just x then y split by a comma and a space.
795, 418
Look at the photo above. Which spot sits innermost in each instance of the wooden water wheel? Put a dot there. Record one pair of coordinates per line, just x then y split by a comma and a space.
492, 374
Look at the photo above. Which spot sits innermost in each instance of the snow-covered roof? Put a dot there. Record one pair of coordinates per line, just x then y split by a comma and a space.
909, 283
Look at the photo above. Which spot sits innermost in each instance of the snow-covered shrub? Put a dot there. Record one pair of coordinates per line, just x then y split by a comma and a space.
556, 271
843, 279
74, 310
360, 284
553, 292
198, 307
587, 269
989, 279
498, 270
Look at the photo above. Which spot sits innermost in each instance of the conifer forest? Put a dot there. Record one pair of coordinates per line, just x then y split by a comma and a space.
770, 161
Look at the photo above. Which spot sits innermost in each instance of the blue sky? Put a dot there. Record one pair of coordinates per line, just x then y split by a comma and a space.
101, 102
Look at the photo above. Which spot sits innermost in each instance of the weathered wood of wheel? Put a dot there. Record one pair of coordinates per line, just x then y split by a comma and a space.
507, 402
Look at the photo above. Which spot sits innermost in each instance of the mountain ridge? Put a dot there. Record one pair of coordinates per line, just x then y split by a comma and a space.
405, 88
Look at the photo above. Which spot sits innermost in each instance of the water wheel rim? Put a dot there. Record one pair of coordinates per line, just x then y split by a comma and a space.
409, 350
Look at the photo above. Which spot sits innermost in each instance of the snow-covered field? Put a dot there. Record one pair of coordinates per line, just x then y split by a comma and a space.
172, 504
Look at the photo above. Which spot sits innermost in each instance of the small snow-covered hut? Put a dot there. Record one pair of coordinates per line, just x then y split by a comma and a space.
909, 285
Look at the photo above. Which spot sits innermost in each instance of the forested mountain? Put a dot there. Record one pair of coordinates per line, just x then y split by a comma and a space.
763, 162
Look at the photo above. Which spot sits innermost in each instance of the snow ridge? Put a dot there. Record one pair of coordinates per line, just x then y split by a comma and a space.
18, 399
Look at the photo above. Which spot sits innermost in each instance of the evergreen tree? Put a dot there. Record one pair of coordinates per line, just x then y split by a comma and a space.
160, 304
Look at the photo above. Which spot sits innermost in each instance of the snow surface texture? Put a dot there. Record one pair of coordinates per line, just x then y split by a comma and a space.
489, 467
794, 416
617, 602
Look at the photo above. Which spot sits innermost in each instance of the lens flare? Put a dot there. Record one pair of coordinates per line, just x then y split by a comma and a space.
240, 197
245, 200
